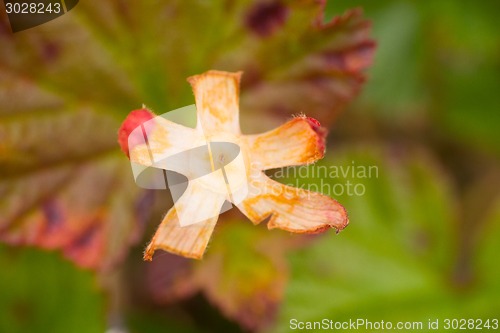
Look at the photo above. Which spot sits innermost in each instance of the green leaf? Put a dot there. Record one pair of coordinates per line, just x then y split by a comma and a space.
42, 291
431, 70
395, 260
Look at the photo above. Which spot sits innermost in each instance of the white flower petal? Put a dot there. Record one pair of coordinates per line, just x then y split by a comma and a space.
293, 143
158, 139
292, 209
198, 204
217, 98
202, 199
190, 241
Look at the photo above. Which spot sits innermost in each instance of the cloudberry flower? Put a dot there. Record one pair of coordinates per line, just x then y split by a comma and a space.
243, 183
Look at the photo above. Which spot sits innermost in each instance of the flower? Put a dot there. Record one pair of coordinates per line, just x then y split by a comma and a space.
187, 227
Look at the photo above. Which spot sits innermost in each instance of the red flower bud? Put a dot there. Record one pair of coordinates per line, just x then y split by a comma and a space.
134, 119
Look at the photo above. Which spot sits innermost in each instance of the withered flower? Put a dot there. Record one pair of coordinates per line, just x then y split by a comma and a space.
187, 227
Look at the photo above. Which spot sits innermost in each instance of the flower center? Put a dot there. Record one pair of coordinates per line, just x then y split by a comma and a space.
229, 172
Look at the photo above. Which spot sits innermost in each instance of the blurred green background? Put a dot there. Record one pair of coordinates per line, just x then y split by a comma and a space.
423, 239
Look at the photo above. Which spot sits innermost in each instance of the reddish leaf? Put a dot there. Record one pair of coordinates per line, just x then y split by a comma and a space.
65, 84
309, 66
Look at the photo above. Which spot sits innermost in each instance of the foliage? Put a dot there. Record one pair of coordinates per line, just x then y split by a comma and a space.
423, 238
